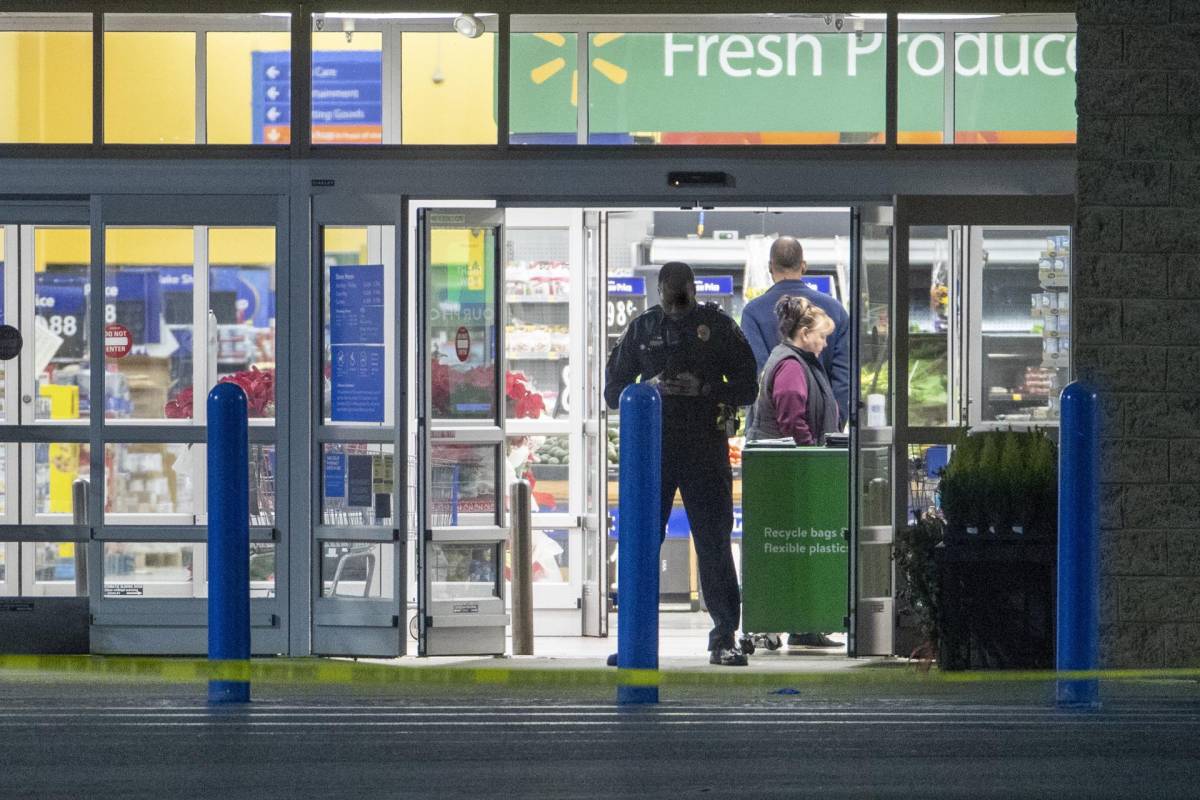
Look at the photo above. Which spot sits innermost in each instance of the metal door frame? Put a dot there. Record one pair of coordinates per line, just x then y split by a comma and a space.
951, 210
474, 626
359, 626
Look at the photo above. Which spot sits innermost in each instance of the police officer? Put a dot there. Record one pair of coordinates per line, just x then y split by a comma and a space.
705, 370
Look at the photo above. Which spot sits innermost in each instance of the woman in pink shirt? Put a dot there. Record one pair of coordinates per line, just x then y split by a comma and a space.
794, 394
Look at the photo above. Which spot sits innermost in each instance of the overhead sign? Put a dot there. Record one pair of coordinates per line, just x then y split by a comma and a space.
777, 87
721, 284
627, 286
356, 334
819, 283
347, 97
118, 341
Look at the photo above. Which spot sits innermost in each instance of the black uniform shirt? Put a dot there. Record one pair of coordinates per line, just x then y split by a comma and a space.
707, 343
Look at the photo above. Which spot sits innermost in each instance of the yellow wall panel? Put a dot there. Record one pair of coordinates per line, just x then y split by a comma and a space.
241, 246
228, 93
174, 246
449, 89
150, 88
61, 246
46, 87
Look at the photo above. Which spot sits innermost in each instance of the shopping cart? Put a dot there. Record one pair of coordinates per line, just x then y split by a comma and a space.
444, 487
262, 486
925, 465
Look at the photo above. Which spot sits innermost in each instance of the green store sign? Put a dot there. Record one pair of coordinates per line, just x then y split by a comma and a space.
794, 87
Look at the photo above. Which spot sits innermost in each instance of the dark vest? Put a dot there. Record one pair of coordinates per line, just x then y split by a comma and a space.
821, 411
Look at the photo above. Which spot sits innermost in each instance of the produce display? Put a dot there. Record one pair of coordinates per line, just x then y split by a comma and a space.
553, 450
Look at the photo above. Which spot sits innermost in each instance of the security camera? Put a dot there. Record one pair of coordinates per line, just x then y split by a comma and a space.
838, 22
469, 26
828, 19
318, 22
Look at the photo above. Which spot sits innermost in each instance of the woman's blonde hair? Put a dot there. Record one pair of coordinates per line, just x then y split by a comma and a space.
799, 313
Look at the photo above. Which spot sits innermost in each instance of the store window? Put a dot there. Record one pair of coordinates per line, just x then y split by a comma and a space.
196, 79
986, 79
404, 78
135, 570
241, 303
715, 79
45, 78
152, 483
61, 303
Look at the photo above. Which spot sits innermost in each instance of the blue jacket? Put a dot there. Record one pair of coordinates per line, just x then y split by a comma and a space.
761, 327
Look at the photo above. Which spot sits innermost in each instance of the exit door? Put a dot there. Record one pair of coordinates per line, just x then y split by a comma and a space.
461, 436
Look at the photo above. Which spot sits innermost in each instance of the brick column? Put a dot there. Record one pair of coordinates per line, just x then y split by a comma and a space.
1137, 314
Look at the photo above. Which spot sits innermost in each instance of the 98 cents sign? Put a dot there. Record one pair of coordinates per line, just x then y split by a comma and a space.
626, 299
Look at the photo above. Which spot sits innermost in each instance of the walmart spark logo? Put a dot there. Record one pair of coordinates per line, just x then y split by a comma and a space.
547, 70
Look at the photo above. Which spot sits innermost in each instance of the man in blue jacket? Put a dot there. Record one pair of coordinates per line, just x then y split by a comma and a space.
761, 326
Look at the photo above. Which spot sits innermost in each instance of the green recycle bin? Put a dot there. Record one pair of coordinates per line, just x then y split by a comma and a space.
795, 548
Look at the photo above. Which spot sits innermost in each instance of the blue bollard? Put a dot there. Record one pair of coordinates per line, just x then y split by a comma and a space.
1078, 645
228, 538
639, 523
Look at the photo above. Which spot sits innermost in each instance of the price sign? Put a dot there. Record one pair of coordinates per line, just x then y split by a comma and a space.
626, 299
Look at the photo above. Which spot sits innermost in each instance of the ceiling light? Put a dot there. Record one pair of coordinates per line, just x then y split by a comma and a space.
469, 25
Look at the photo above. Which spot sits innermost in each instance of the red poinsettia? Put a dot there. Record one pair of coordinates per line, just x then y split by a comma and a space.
258, 384
525, 402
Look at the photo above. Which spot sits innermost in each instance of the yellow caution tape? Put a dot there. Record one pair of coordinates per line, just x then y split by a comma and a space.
308, 671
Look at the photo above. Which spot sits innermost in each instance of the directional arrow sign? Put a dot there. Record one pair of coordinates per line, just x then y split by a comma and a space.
272, 72
273, 134
273, 113
272, 92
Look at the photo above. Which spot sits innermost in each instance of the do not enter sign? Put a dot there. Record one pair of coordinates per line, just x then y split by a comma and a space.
118, 341
462, 344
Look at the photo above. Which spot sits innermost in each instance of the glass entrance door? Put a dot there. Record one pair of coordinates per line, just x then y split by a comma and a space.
461, 432
871, 435
360, 500
982, 335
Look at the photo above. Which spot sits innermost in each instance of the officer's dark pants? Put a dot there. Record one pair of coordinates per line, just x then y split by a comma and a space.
698, 466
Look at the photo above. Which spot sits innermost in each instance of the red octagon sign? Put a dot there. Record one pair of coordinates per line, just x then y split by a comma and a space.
118, 341
462, 344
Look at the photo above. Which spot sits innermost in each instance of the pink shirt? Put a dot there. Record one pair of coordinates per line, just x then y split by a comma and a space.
790, 395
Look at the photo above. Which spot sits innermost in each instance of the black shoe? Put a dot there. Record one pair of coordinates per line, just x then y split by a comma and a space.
728, 657
746, 644
810, 640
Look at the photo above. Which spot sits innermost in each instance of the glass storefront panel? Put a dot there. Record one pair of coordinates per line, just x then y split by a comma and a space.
462, 323
150, 569
358, 484
931, 299
241, 301
464, 571
263, 480
463, 484
987, 79
148, 283
149, 86
551, 556
738, 88
448, 83
56, 467
47, 78
358, 569
49, 568
348, 81
247, 84
359, 330
1026, 322
62, 301
544, 461
147, 483
176, 570
544, 93
537, 290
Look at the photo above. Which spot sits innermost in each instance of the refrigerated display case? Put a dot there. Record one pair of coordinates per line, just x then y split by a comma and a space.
988, 325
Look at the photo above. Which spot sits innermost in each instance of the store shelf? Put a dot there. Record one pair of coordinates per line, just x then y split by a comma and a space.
538, 356
534, 300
